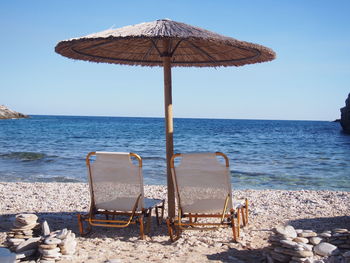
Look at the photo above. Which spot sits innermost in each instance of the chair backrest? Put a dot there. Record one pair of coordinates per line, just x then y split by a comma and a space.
115, 182
202, 182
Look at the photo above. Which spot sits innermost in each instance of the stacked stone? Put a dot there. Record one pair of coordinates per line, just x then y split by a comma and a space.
68, 244
297, 245
288, 246
29, 242
57, 245
346, 256
49, 250
340, 238
21, 239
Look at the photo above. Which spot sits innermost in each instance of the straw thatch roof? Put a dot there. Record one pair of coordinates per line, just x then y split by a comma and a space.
142, 44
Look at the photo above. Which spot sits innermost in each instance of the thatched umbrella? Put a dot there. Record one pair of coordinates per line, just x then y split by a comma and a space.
164, 43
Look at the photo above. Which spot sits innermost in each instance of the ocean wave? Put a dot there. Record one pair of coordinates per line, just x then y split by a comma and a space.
154, 158
284, 181
24, 156
81, 137
242, 174
15, 177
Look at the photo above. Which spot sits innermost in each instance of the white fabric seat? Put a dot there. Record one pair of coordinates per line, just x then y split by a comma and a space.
202, 183
207, 205
116, 188
116, 183
204, 195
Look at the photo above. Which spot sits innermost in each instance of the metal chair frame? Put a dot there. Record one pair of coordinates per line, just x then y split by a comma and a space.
227, 219
134, 216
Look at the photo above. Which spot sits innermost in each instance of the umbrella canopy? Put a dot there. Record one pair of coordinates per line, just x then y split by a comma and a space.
142, 44
164, 43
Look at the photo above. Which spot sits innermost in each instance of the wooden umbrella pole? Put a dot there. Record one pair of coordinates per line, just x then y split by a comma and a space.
168, 126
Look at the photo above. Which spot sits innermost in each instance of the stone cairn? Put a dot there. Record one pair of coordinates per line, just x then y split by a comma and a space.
56, 245
34, 244
297, 245
23, 239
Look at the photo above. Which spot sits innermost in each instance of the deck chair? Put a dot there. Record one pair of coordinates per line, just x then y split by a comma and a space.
117, 197
204, 195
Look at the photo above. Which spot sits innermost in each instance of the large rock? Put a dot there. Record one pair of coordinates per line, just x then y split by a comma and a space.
280, 257
345, 116
286, 231
301, 240
45, 229
315, 240
294, 253
326, 249
6, 113
31, 243
288, 243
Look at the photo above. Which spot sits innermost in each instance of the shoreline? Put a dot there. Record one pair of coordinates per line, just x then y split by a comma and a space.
58, 203
235, 188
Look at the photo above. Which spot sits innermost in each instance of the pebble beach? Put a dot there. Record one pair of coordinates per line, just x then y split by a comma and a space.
59, 203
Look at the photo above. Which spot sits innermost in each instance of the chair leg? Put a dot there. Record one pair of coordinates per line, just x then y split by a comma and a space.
170, 229
174, 233
149, 221
246, 210
234, 232
142, 234
238, 221
162, 215
233, 226
81, 225
157, 216
160, 218
243, 216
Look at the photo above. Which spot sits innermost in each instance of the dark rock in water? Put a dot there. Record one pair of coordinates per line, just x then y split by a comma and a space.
6, 113
345, 116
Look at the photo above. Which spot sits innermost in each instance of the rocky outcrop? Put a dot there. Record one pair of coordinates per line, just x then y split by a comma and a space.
345, 116
6, 113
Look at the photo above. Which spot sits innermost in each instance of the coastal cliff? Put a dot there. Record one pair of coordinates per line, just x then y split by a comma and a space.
6, 113
345, 116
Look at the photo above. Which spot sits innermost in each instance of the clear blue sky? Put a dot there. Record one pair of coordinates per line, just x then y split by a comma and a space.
309, 80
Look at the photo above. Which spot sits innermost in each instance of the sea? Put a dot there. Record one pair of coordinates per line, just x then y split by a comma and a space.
263, 154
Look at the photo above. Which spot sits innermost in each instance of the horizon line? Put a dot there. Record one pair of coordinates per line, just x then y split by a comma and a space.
157, 117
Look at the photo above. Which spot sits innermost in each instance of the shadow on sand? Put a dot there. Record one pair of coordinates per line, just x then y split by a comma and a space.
322, 223
257, 255
68, 220
236, 255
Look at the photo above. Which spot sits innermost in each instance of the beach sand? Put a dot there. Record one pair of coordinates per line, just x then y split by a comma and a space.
58, 203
